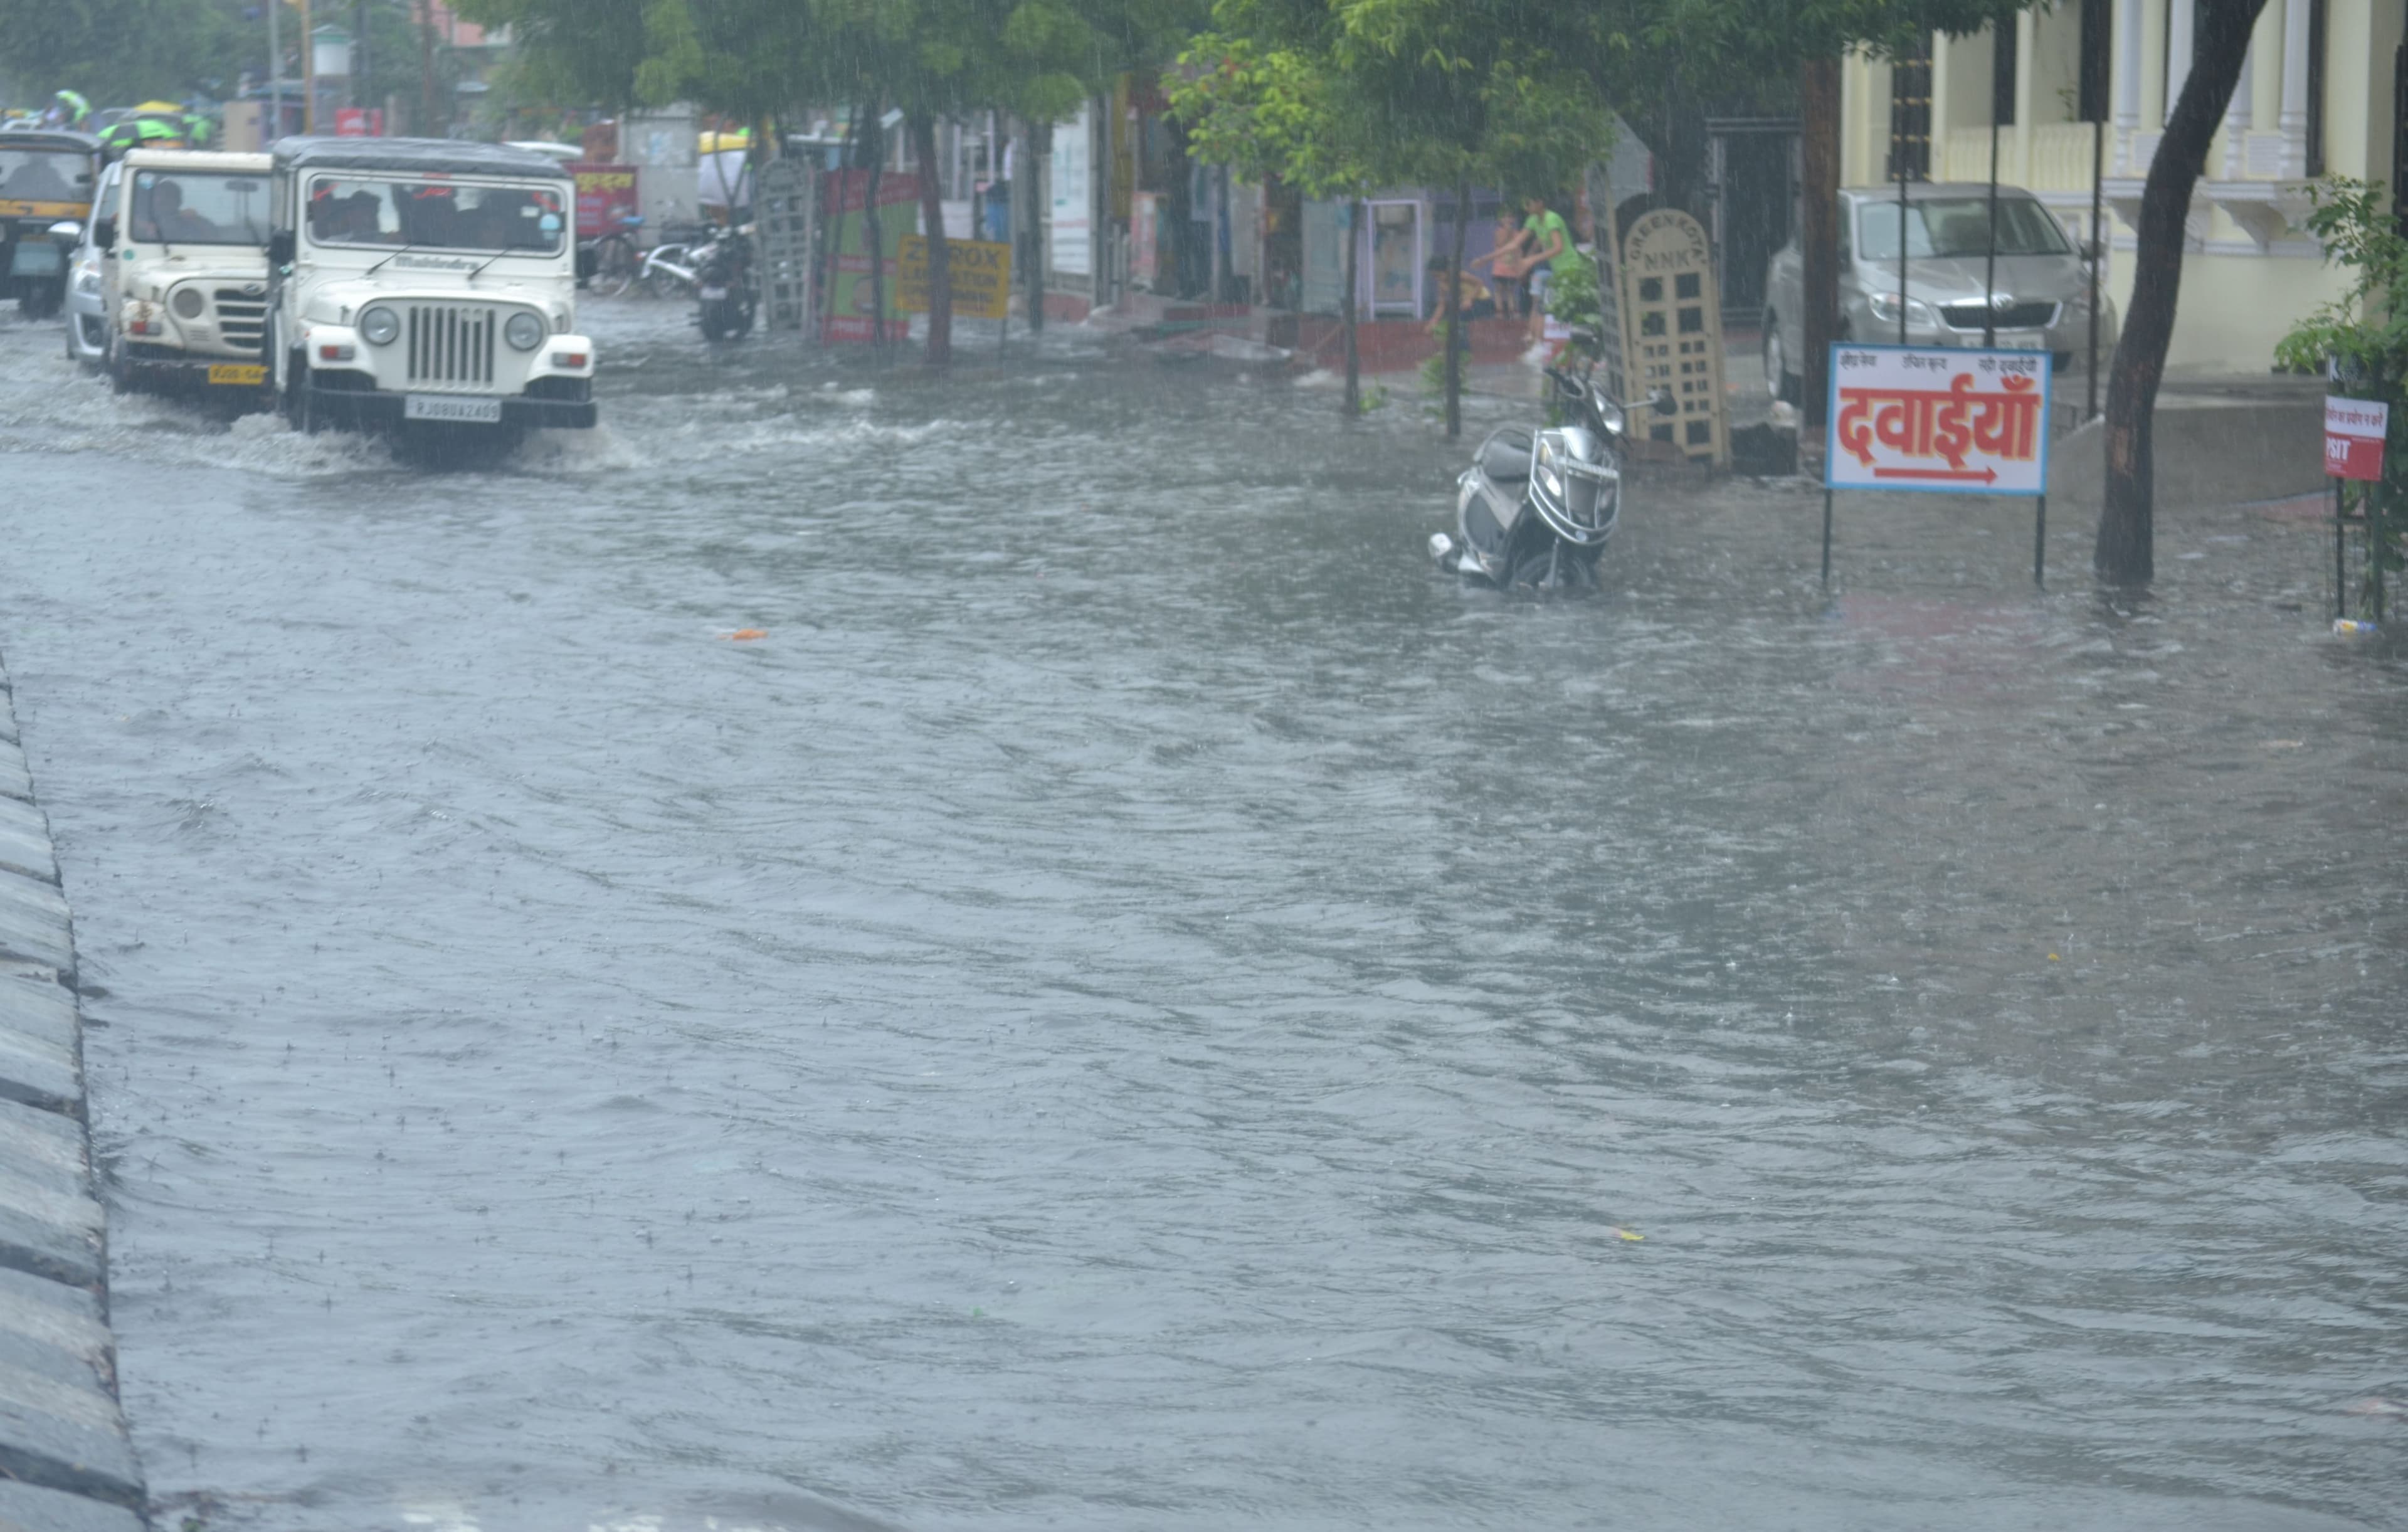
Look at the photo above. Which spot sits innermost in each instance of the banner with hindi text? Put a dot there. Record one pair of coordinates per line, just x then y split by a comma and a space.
1938, 419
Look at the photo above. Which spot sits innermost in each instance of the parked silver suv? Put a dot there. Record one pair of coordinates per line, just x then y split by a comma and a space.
2041, 301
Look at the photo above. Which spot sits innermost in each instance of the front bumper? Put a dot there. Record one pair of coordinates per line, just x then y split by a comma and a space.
176, 373
2069, 335
380, 409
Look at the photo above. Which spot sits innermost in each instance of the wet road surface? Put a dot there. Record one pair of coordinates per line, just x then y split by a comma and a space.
1136, 1005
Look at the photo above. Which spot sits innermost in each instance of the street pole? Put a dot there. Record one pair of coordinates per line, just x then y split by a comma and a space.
2098, 247
274, 77
2002, 84
309, 73
1818, 240
1901, 132
360, 53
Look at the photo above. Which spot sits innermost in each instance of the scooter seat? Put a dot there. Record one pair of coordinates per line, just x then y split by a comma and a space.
1505, 457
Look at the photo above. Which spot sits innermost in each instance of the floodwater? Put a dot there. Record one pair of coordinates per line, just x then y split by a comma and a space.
1137, 1005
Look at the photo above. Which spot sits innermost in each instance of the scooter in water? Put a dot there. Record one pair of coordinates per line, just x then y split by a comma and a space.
1537, 507
726, 292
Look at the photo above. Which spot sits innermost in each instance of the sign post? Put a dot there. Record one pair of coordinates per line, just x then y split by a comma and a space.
2354, 435
1941, 421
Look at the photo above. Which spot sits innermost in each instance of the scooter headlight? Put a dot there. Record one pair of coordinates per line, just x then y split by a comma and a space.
523, 330
1550, 468
379, 325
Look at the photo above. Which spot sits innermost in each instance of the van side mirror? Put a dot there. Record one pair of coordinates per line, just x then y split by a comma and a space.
279, 247
104, 232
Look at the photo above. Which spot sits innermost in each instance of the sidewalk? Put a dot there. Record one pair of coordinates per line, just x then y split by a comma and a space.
66, 1463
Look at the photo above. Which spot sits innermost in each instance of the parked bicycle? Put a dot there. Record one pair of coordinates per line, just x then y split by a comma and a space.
611, 264
673, 267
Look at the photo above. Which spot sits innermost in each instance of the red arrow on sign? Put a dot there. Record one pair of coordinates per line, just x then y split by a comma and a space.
1986, 475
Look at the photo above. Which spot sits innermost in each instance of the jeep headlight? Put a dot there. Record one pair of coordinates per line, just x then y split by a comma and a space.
188, 302
88, 282
523, 330
379, 325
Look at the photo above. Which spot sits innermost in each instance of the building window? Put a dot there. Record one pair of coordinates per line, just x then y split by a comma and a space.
1910, 113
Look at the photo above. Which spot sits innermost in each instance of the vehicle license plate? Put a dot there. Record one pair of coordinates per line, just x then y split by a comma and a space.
239, 374
436, 407
712, 294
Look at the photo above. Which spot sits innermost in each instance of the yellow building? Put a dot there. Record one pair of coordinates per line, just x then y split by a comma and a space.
2318, 95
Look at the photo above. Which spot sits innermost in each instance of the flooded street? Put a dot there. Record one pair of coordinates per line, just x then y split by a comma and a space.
1137, 1005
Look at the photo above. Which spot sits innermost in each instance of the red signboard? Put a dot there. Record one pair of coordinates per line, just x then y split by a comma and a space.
844, 194
606, 196
359, 122
2354, 430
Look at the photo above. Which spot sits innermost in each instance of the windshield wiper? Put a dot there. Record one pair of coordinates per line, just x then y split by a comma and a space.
380, 265
486, 262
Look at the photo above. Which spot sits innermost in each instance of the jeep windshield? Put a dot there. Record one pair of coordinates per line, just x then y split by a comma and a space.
1944, 227
199, 208
45, 175
437, 215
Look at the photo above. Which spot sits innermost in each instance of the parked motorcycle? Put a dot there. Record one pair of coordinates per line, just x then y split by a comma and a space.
1537, 507
726, 289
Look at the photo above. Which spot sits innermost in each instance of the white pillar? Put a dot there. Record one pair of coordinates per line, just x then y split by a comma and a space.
2126, 46
2236, 114
2178, 49
2294, 118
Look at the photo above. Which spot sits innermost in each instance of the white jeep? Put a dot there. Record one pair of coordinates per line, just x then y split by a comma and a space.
182, 237
422, 285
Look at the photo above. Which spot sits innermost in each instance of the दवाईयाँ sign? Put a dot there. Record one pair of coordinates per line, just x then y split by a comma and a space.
1962, 421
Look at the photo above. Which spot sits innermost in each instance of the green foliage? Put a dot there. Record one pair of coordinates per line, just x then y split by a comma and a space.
120, 52
1340, 97
1571, 292
2364, 333
751, 58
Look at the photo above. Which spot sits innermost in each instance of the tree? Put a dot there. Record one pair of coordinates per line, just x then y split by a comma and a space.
2363, 336
1349, 95
1261, 105
1717, 40
116, 52
2126, 552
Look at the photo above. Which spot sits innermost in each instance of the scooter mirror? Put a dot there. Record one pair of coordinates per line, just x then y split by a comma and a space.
66, 233
1662, 402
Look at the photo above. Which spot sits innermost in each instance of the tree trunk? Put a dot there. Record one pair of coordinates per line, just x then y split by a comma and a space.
1818, 242
1452, 328
2126, 552
1346, 307
873, 238
932, 220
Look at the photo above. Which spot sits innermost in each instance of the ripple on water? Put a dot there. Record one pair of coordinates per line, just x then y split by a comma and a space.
1137, 1004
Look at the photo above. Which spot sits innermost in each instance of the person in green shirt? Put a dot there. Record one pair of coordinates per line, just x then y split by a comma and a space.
1548, 236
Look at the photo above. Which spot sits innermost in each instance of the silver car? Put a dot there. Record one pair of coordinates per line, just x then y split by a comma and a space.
2040, 302
87, 303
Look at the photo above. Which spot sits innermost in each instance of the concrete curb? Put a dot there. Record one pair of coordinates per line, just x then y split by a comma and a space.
67, 1463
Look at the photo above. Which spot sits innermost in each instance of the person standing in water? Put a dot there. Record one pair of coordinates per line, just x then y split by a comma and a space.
1545, 237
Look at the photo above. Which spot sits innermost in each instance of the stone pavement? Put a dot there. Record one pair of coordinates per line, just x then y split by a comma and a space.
66, 1463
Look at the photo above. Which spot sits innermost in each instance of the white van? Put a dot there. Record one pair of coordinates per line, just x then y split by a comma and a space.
424, 283
182, 237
